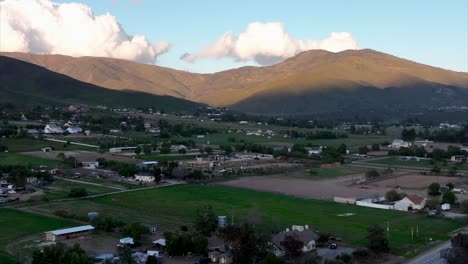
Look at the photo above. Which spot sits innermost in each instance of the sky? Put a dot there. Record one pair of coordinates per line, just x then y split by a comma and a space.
210, 36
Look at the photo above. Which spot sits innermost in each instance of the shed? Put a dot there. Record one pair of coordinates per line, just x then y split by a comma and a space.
69, 233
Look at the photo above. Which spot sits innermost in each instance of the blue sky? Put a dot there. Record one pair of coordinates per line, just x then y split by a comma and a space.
430, 32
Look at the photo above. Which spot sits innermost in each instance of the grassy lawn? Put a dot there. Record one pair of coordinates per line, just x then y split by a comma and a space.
16, 224
175, 206
32, 144
395, 161
60, 189
351, 141
10, 158
167, 157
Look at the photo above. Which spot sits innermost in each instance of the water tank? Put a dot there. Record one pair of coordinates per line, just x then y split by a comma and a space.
92, 215
222, 221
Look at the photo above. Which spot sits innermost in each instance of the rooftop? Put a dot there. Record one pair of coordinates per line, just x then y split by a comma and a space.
70, 230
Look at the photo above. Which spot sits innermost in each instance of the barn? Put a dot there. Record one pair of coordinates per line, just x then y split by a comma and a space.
69, 233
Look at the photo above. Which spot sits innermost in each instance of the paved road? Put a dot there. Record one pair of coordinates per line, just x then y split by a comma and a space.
432, 256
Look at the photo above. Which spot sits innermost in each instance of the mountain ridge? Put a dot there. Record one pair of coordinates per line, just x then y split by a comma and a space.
309, 72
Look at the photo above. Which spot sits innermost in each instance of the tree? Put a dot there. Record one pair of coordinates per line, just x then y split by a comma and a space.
209, 150
270, 258
106, 224
200, 245
342, 148
375, 147
59, 253
292, 246
147, 149
377, 241
392, 196
464, 206
138, 150
135, 230
247, 243
373, 173
197, 175
78, 192
152, 260
453, 170
435, 169
433, 202
449, 197
408, 134
205, 220
458, 253
125, 255
363, 150
182, 151
434, 189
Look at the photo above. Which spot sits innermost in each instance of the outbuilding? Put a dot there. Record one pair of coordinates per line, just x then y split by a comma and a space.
69, 233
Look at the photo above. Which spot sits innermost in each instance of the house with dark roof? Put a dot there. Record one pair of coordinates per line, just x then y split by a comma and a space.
306, 234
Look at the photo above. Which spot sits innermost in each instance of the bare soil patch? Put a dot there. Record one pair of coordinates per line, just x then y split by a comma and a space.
82, 155
415, 181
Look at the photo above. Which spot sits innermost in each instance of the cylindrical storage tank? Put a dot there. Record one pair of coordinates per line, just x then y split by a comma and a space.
222, 221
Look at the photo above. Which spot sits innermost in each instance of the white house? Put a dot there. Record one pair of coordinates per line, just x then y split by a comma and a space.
90, 165
398, 143
302, 233
145, 177
314, 150
53, 129
458, 158
411, 202
74, 130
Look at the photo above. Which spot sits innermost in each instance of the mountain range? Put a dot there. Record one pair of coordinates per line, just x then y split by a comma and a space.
311, 83
26, 84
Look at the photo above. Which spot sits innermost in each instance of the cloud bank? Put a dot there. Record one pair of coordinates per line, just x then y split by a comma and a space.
268, 43
45, 27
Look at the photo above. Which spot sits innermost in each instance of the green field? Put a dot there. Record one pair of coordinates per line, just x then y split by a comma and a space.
60, 189
31, 144
395, 161
16, 224
173, 207
10, 158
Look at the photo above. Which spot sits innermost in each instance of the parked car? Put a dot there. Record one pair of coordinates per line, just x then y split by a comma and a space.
333, 246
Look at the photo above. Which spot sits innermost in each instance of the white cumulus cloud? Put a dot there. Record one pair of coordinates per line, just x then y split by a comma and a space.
42, 26
268, 43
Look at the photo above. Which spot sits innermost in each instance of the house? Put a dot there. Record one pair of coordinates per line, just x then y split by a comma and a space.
410, 202
161, 243
458, 158
32, 132
306, 234
145, 177
53, 129
178, 147
90, 165
69, 233
122, 149
46, 149
314, 150
74, 130
220, 257
148, 164
115, 130
398, 143
126, 241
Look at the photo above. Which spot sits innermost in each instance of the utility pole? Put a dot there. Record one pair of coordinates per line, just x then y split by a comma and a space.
388, 231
